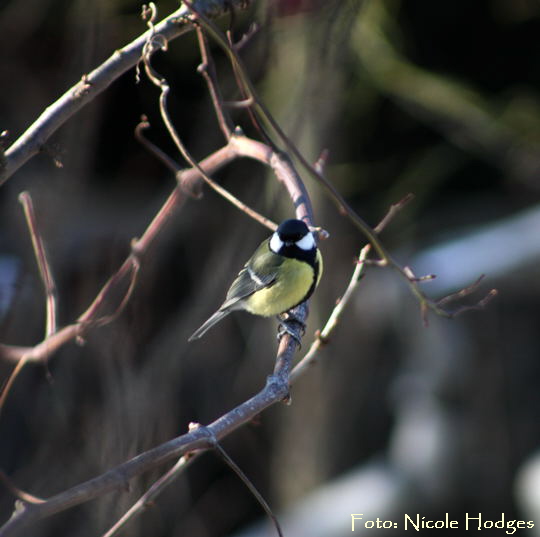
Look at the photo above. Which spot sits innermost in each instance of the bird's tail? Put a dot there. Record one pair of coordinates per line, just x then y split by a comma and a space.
209, 323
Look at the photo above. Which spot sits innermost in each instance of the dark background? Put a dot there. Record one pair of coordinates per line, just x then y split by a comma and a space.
435, 98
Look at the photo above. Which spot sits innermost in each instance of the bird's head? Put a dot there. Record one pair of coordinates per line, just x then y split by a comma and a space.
292, 234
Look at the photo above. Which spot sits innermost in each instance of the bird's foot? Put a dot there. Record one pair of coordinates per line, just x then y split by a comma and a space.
296, 331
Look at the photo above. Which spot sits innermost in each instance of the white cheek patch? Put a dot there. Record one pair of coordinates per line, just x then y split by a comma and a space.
275, 243
306, 243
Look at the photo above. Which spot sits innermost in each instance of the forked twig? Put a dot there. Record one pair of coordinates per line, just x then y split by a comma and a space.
466, 292
161, 83
45, 273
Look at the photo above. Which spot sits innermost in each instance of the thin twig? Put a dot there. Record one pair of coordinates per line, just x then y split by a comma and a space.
247, 37
48, 285
246, 103
17, 492
323, 336
249, 484
208, 70
6, 387
153, 148
247, 98
42, 262
151, 494
466, 292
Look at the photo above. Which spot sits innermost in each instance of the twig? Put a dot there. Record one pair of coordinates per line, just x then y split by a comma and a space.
258, 496
6, 387
466, 292
161, 82
323, 335
42, 262
153, 148
247, 97
151, 494
247, 37
246, 103
208, 70
392, 212
48, 284
129, 270
17, 492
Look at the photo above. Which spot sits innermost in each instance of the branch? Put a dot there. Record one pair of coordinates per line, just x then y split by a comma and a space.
196, 440
92, 84
168, 478
208, 71
42, 262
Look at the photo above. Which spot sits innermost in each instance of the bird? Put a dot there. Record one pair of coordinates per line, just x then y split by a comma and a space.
282, 273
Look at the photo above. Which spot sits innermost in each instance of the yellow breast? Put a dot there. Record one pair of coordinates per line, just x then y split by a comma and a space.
289, 290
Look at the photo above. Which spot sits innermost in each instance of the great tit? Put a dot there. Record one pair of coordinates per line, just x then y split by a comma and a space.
282, 273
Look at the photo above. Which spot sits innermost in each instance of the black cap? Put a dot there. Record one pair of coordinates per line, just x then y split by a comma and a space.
292, 230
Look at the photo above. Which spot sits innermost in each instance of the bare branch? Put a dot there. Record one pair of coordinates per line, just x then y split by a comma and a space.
464, 293
276, 390
42, 262
92, 84
152, 148
208, 71
198, 439
257, 495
